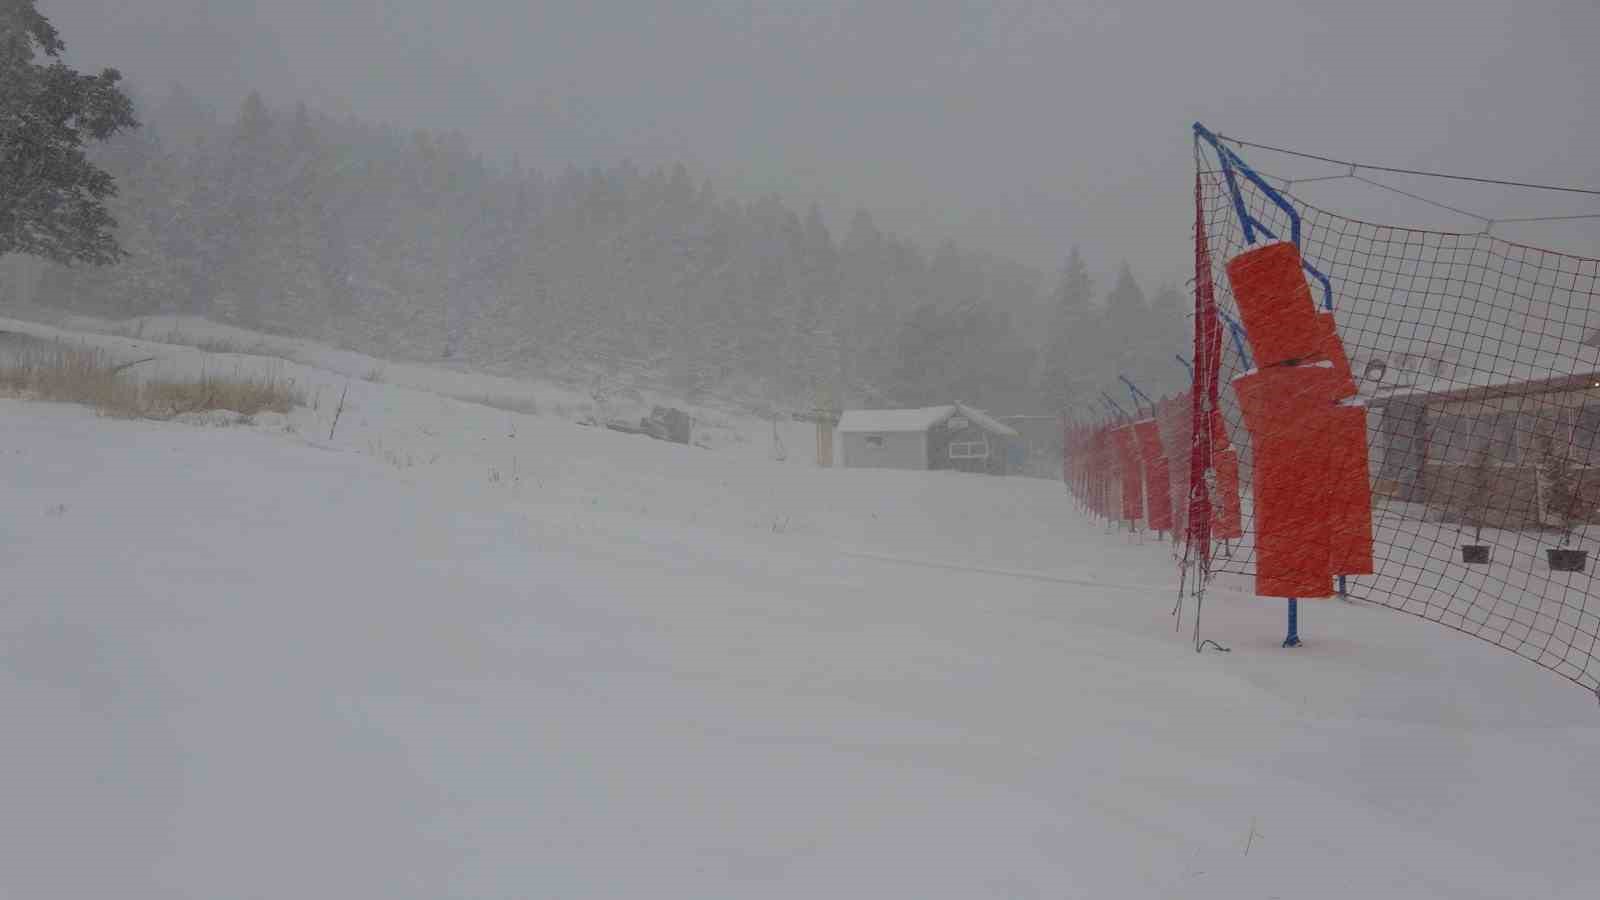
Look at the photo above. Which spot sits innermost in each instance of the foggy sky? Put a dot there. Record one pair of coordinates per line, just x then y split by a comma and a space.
1020, 126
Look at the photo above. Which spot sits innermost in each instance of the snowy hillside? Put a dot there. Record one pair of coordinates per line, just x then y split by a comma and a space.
460, 651
185, 346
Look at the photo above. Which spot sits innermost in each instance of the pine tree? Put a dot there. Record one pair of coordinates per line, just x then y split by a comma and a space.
305, 259
181, 119
1169, 338
404, 243
1125, 335
246, 197
1066, 364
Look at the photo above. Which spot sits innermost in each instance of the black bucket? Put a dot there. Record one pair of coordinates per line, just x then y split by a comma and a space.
1475, 554
1566, 559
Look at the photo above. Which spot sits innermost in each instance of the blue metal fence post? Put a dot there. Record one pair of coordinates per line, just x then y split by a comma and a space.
1114, 405
1232, 163
1138, 395
1236, 331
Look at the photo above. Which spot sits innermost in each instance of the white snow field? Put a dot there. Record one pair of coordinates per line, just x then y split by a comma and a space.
460, 652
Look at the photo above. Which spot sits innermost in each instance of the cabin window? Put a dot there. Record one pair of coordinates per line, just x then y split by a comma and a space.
969, 450
1504, 438
1451, 438
1457, 439
875, 441
1586, 436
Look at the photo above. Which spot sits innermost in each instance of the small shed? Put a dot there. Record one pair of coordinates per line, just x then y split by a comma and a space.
936, 437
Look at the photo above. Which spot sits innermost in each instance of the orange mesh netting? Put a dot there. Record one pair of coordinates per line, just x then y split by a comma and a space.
1157, 479
1413, 412
1130, 474
1350, 500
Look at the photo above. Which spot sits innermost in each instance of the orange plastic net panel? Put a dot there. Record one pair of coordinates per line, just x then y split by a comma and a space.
1350, 502
1287, 412
1149, 436
1176, 417
1159, 493
1227, 516
1097, 474
1157, 477
1103, 468
1274, 300
1219, 432
1131, 476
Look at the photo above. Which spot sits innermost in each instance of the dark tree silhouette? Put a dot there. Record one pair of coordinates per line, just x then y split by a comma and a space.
52, 198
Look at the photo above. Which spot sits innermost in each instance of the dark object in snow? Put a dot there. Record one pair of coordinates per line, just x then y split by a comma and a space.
1567, 559
663, 424
1475, 554
668, 424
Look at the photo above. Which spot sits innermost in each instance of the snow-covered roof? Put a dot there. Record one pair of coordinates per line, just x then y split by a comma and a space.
858, 420
984, 421
889, 420
1554, 373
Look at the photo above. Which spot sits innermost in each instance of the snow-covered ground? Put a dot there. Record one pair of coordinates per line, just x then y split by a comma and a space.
458, 651
592, 397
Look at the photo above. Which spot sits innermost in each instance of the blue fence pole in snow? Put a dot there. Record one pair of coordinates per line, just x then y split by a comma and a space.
1138, 395
1293, 638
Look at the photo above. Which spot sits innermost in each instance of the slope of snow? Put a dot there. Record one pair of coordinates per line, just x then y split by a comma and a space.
195, 345
456, 651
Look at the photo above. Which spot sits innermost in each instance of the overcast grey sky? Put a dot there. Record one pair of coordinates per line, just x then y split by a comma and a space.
1022, 126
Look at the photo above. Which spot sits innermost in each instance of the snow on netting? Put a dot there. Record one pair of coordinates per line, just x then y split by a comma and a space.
1410, 415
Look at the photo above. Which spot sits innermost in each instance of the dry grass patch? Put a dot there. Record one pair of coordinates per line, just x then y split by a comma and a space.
248, 396
65, 375
89, 377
